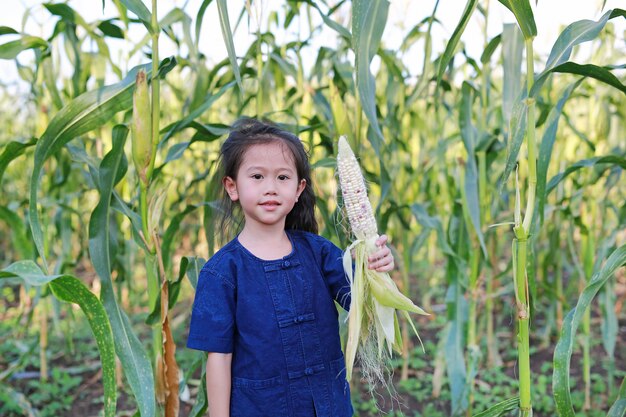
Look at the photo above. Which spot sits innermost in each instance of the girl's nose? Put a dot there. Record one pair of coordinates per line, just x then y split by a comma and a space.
270, 188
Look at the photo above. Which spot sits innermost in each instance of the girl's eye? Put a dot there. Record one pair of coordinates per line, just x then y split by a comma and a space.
283, 177
257, 176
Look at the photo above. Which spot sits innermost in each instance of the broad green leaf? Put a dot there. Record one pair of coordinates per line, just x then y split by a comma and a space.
469, 134
608, 160
592, 71
575, 34
519, 121
142, 12
222, 8
70, 289
500, 409
131, 352
21, 243
200, 18
524, 16
452, 44
563, 349
547, 144
618, 409
50, 79
110, 29
512, 55
490, 49
11, 151
191, 266
12, 49
168, 237
369, 18
5, 30
83, 114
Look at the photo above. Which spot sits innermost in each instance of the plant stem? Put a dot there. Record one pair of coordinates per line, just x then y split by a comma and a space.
523, 318
522, 233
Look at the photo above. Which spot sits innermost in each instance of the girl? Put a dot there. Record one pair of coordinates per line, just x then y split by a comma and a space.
264, 306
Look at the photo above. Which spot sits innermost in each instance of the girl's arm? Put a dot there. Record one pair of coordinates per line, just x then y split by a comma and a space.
218, 383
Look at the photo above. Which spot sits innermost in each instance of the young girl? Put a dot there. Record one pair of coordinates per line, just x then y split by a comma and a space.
264, 306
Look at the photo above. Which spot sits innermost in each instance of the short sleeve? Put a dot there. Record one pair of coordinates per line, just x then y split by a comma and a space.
332, 267
213, 314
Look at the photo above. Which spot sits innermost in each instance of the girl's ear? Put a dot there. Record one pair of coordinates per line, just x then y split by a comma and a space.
301, 188
231, 188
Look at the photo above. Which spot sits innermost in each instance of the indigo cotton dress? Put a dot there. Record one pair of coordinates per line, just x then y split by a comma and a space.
279, 320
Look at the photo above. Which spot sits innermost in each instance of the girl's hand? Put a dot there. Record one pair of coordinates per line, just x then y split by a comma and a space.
382, 259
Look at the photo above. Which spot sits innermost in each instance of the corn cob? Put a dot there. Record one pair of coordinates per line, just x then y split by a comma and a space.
141, 127
374, 295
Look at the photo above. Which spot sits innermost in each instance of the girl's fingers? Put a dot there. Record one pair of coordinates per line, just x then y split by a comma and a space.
382, 240
382, 259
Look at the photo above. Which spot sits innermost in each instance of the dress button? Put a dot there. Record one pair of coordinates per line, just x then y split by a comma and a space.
287, 263
308, 371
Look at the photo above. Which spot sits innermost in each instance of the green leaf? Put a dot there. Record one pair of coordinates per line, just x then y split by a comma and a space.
200, 18
618, 409
519, 119
563, 349
469, 134
609, 160
512, 55
490, 49
452, 44
110, 29
142, 12
222, 8
12, 49
547, 144
20, 241
70, 289
5, 30
369, 18
131, 352
575, 34
592, 71
500, 409
11, 151
524, 16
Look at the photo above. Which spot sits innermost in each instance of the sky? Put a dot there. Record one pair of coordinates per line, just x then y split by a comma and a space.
551, 17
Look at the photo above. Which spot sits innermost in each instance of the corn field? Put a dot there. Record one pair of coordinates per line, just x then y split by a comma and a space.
499, 179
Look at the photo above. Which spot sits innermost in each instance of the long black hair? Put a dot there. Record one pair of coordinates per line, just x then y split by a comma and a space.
247, 132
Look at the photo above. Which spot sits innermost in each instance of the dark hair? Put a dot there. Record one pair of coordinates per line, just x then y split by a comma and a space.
247, 132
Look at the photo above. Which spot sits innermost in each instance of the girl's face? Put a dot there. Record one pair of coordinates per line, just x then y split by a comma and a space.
267, 184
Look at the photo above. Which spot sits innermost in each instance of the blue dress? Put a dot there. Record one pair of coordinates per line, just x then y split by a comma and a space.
278, 319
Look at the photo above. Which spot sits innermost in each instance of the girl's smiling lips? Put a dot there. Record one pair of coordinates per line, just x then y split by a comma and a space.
270, 204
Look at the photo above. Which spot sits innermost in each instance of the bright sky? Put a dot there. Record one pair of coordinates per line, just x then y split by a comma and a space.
551, 17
